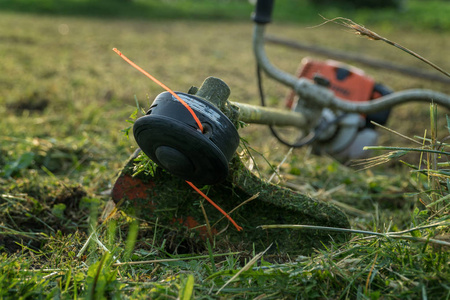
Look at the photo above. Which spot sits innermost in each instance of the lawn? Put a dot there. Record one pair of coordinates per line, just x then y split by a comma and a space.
65, 97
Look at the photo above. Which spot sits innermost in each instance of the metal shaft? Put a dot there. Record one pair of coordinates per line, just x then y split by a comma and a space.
269, 116
217, 92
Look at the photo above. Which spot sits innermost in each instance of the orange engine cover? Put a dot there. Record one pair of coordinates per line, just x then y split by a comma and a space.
347, 82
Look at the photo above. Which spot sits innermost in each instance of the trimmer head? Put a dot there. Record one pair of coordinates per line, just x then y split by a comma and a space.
169, 135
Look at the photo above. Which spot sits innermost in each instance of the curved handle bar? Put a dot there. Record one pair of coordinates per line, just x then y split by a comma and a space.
263, 11
323, 97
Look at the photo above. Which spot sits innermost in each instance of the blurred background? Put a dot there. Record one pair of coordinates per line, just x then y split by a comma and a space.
65, 95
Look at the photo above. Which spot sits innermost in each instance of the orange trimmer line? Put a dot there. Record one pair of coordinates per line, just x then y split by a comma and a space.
199, 124
239, 228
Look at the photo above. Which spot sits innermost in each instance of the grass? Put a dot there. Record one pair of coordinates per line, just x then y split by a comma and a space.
64, 99
431, 14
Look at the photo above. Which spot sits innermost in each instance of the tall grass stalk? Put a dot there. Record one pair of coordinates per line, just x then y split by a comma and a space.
393, 235
363, 31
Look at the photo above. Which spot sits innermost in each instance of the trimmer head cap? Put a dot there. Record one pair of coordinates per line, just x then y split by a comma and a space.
169, 135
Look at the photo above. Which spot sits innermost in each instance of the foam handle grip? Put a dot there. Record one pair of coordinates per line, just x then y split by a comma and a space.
263, 11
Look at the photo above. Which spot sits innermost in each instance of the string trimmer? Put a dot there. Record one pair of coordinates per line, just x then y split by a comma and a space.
192, 137
169, 136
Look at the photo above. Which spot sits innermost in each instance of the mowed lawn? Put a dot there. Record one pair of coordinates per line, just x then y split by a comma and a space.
65, 96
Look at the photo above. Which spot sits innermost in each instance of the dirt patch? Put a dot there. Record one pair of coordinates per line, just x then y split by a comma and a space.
33, 103
28, 218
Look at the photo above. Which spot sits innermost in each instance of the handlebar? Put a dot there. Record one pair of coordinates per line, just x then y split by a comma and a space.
321, 96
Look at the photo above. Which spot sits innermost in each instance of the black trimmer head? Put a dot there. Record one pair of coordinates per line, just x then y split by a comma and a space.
169, 135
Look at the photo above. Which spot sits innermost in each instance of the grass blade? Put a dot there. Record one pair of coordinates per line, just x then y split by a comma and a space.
245, 268
187, 290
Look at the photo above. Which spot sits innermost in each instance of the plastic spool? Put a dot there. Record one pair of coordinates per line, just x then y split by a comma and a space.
169, 135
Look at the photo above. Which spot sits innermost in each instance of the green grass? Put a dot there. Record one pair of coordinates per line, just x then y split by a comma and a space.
64, 99
416, 14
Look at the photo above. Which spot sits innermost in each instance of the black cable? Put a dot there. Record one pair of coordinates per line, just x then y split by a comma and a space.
310, 138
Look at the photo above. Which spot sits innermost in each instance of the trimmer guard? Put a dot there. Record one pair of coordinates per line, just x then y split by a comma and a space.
170, 202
